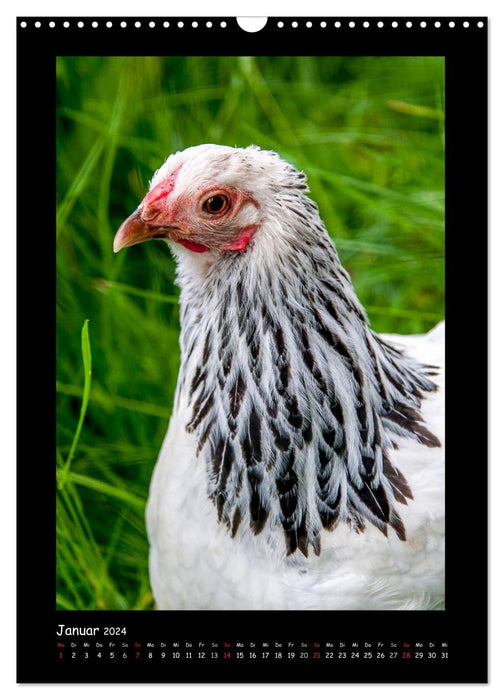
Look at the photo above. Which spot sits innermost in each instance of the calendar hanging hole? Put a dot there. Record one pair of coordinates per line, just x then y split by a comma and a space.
252, 24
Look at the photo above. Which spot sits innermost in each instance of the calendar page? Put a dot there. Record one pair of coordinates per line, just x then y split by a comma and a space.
261, 287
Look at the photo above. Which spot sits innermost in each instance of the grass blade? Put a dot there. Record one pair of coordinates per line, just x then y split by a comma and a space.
111, 491
79, 184
104, 285
111, 401
87, 361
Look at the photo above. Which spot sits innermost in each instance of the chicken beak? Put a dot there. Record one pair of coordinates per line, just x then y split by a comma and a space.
135, 230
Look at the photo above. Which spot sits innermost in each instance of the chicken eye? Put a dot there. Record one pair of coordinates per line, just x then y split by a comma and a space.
217, 204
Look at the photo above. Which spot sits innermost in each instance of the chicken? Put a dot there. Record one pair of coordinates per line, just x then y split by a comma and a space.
303, 466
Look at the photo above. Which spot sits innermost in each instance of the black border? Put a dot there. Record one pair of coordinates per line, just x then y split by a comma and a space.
464, 623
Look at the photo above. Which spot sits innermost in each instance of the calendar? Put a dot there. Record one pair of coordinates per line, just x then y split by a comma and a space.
338, 657
268, 455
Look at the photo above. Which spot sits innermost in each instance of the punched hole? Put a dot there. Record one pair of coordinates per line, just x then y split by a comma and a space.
252, 24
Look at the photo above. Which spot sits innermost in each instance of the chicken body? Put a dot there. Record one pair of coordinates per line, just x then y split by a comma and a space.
196, 565
303, 466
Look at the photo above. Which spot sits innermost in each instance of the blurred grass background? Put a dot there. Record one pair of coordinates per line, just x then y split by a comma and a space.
369, 133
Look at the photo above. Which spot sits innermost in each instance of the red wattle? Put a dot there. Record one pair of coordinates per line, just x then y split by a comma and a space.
243, 241
191, 245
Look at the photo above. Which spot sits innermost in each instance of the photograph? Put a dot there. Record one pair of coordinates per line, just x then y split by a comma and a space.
250, 343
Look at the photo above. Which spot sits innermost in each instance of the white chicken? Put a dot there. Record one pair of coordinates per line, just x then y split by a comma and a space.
303, 466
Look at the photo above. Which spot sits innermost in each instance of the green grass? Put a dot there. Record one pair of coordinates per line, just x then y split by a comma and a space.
369, 133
